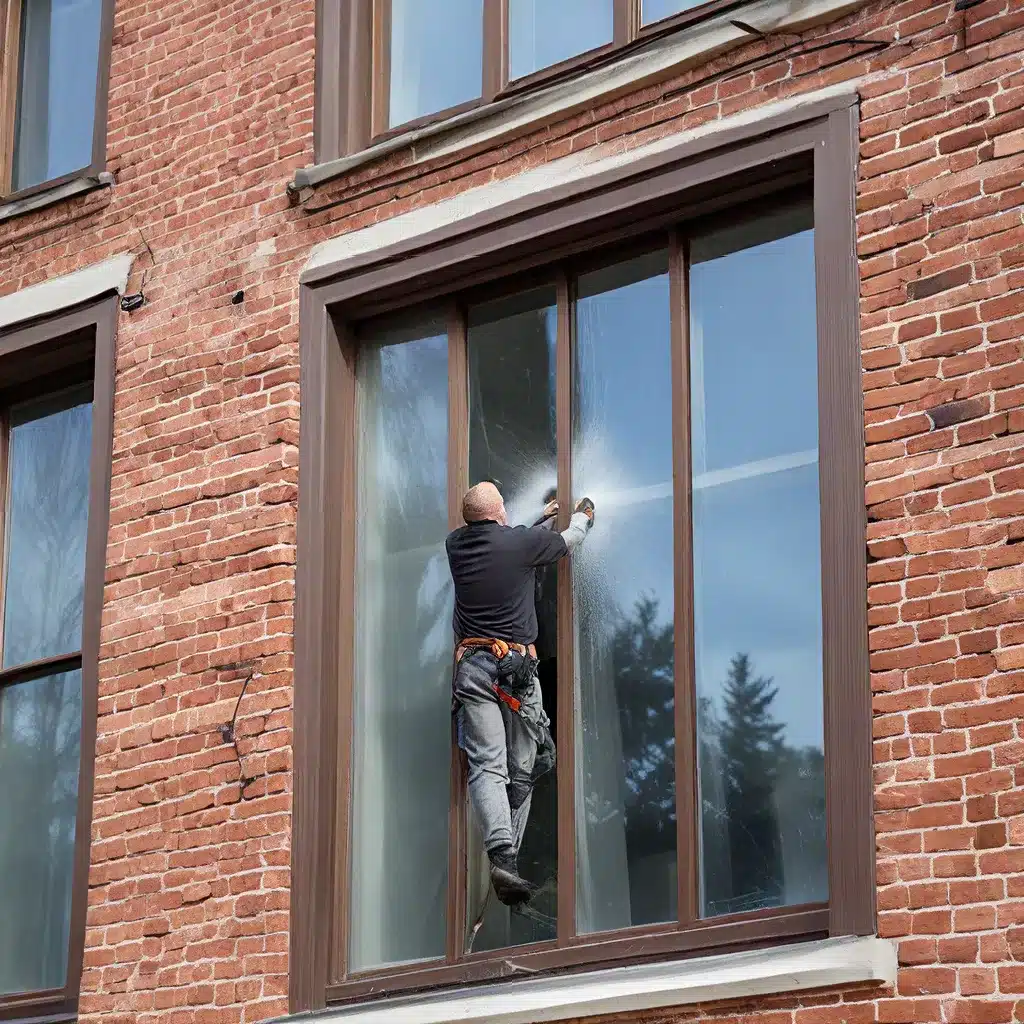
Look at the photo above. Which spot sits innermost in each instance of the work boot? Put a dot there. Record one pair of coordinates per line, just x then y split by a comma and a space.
508, 886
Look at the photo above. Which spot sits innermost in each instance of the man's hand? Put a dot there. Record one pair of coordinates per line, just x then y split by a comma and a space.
586, 506
550, 509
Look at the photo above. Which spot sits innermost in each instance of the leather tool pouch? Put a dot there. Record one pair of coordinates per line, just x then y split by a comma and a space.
517, 671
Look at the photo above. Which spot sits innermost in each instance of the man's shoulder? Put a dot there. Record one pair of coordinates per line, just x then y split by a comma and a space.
455, 536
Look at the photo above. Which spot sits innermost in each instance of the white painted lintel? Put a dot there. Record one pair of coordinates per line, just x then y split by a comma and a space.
793, 968
576, 168
60, 293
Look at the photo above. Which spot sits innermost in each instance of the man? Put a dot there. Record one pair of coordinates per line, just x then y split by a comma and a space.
501, 722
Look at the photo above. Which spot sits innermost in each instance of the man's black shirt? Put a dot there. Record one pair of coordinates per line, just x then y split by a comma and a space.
494, 569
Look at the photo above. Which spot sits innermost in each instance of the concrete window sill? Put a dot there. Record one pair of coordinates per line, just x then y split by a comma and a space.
793, 968
51, 196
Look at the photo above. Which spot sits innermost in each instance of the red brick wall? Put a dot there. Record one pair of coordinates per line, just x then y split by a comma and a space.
210, 114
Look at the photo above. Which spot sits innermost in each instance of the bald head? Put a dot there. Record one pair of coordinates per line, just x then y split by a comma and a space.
483, 501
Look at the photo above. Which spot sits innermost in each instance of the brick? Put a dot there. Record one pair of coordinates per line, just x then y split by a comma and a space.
957, 412
923, 981
1009, 144
925, 287
991, 835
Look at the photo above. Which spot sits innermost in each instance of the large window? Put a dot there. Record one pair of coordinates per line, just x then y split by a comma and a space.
732, 543
52, 90
53, 542
689, 361
388, 65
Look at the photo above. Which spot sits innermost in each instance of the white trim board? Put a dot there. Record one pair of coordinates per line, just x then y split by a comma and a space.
577, 167
68, 290
793, 968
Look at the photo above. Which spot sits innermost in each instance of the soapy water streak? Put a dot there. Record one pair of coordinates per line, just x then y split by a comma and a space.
608, 486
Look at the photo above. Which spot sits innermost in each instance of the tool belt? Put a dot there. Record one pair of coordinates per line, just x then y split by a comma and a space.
516, 663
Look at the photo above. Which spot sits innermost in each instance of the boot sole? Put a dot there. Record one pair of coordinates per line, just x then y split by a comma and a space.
509, 888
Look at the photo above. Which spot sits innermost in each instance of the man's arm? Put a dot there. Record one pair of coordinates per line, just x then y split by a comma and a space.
576, 532
549, 550
582, 520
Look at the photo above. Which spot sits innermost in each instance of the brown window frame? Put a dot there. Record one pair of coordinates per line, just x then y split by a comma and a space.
10, 59
70, 348
353, 65
813, 148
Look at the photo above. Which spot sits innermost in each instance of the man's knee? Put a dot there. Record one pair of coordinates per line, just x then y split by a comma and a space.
519, 787
487, 768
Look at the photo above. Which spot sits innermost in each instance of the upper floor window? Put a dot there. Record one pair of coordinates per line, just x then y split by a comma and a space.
53, 91
393, 64
53, 518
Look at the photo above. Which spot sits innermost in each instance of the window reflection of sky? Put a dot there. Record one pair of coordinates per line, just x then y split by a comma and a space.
542, 33
58, 89
436, 56
655, 10
757, 539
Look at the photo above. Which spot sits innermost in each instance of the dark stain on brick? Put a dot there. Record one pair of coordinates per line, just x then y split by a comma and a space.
939, 282
990, 837
956, 412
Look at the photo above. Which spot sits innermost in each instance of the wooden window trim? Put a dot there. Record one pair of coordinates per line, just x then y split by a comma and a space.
72, 347
657, 192
353, 66
10, 54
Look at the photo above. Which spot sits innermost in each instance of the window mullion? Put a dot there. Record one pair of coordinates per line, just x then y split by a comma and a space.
566, 725
342, 421
4, 518
458, 484
381, 90
10, 48
687, 843
626, 21
40, 668
495, 62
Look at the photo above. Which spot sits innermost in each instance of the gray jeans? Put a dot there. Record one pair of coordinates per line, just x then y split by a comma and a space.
507, 751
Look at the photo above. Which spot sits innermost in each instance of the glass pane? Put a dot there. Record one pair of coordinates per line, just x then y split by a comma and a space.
542, 33
436, 56
60, 45
757, 565
623, 589
40, 730
512, 441
48, 507
402, 715
655, 10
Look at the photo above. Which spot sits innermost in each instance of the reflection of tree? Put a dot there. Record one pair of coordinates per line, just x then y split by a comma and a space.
751, 743
39, 751
643, 665
763, 802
